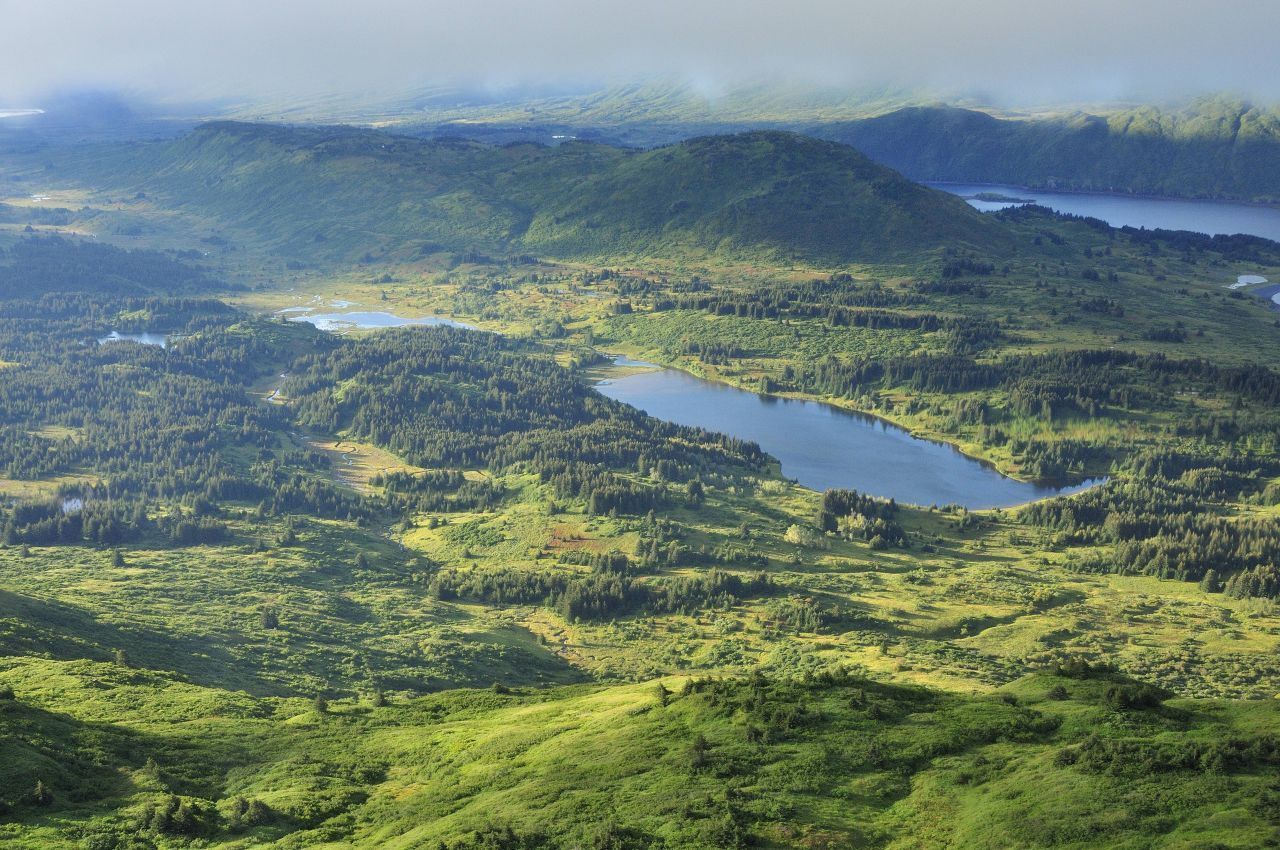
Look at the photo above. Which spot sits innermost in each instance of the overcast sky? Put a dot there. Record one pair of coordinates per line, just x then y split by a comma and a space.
1022, 50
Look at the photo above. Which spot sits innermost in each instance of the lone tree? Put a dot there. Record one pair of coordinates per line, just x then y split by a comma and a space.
698, 752
321, 704
41, 796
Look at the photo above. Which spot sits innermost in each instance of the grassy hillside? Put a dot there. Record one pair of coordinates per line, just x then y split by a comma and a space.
349, 194
733, 195
128, 758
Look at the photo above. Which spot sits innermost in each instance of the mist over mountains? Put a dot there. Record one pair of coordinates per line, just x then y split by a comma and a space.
1014, 52
1222, 146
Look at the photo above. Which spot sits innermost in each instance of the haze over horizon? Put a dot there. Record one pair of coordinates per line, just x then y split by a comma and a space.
1001, 50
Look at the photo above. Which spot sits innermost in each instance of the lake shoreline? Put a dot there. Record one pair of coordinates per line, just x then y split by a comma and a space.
1075, 484
623, 365
1141, 196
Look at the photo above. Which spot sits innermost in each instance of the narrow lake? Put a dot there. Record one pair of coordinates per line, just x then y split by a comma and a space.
822, 446
819, 445
1119, 210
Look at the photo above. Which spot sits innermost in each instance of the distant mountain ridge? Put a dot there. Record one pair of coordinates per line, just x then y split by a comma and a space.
1210, 147
1216, 149
343, 190
1220, 147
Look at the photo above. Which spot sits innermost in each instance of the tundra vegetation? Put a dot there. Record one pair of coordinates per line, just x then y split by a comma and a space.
424, 587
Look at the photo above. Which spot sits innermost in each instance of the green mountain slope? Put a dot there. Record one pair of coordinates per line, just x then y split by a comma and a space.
341, 192
1211, 149
133, 759
799, 197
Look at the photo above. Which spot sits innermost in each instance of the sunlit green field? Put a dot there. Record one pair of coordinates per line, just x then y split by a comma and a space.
990, 682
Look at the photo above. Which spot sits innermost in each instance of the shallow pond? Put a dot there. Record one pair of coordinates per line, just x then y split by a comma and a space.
823, 446
365, 320
1248, 280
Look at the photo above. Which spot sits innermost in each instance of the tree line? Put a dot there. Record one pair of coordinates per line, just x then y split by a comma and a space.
444, 398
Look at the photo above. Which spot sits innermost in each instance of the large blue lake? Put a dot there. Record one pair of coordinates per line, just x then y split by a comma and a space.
1120, 210
824, 447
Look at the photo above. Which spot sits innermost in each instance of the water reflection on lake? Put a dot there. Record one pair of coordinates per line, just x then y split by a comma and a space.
822, 446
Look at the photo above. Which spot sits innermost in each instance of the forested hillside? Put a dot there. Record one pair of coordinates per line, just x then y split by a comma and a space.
1209, 147
349, 194
1214, 148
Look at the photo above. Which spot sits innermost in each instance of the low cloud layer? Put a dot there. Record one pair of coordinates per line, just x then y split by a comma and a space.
1015, 50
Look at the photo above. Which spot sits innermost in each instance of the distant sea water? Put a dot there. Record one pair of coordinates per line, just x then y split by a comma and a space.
1212, 217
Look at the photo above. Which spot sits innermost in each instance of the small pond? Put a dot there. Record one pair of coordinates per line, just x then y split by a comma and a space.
358, 320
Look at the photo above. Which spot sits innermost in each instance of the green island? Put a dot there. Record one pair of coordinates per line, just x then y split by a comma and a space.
416, 587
